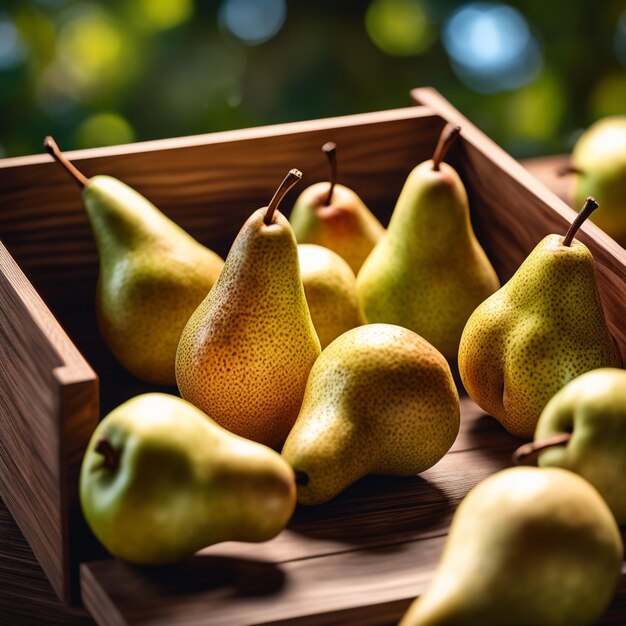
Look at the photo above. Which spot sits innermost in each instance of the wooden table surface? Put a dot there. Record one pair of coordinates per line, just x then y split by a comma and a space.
26, 596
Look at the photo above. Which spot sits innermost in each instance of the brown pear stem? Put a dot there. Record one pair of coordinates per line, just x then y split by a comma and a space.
528, 453
293, 176
448, 136
51, 146
566, 170
109, 455
590, 206
330, 150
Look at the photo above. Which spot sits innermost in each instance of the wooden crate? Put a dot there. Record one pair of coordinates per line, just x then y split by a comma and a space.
359, 559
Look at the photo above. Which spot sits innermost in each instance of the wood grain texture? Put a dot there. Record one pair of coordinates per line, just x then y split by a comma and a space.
546, 171
359, 559
26, 597
48, 408
512, 211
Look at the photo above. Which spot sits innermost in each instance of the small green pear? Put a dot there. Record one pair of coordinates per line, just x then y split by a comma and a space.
380, 400
245, 355
429, 272
583, 429
330, 290
334, 216
153, 275
599, 166
160, 480
539, 331
527, 547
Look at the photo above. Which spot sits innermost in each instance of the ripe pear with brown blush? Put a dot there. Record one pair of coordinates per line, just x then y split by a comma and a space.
160, 480
429, 272
527, 547
380, 400
334, 216
245, 355
543, 328
152, 277
330, 289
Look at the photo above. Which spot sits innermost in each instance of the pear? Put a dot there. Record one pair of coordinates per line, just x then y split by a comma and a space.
330, 290
542, 329
380, 400
527, 546
334, 216
245, 355
160, 480
429, 272
599, 165
152, 277
583, 429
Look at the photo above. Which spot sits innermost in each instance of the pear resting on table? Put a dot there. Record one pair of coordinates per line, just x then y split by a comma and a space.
527, 546
539, 331
246, 352
152, 275
334, 216
380, 400
160, 480
429, 272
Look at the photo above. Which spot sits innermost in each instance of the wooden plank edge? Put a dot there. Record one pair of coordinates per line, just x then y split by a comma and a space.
245, 134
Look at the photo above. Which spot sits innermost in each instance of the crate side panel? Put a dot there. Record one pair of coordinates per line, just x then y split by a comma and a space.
48, 409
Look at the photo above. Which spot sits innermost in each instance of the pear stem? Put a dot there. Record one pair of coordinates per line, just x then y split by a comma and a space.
104, 448
53, 149
528, 453
293, 176
568, 169
590, 206
302, 478
448, 136
330, 150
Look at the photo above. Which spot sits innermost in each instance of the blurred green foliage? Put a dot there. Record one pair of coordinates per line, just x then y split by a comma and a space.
95, 73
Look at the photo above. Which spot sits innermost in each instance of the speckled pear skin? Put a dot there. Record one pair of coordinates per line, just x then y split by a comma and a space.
181, 483
330, 290
539, 331
245, 355
153, 275
380, 400
593, 408
429, 272
527, 546
345, 226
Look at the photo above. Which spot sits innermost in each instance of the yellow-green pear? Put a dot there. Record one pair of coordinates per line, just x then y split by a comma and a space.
429, 272
380, 400
539, 331
335, 217
599, 166
245, 355
330, 290
160, 480
583, 429
527, 547
152, 277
